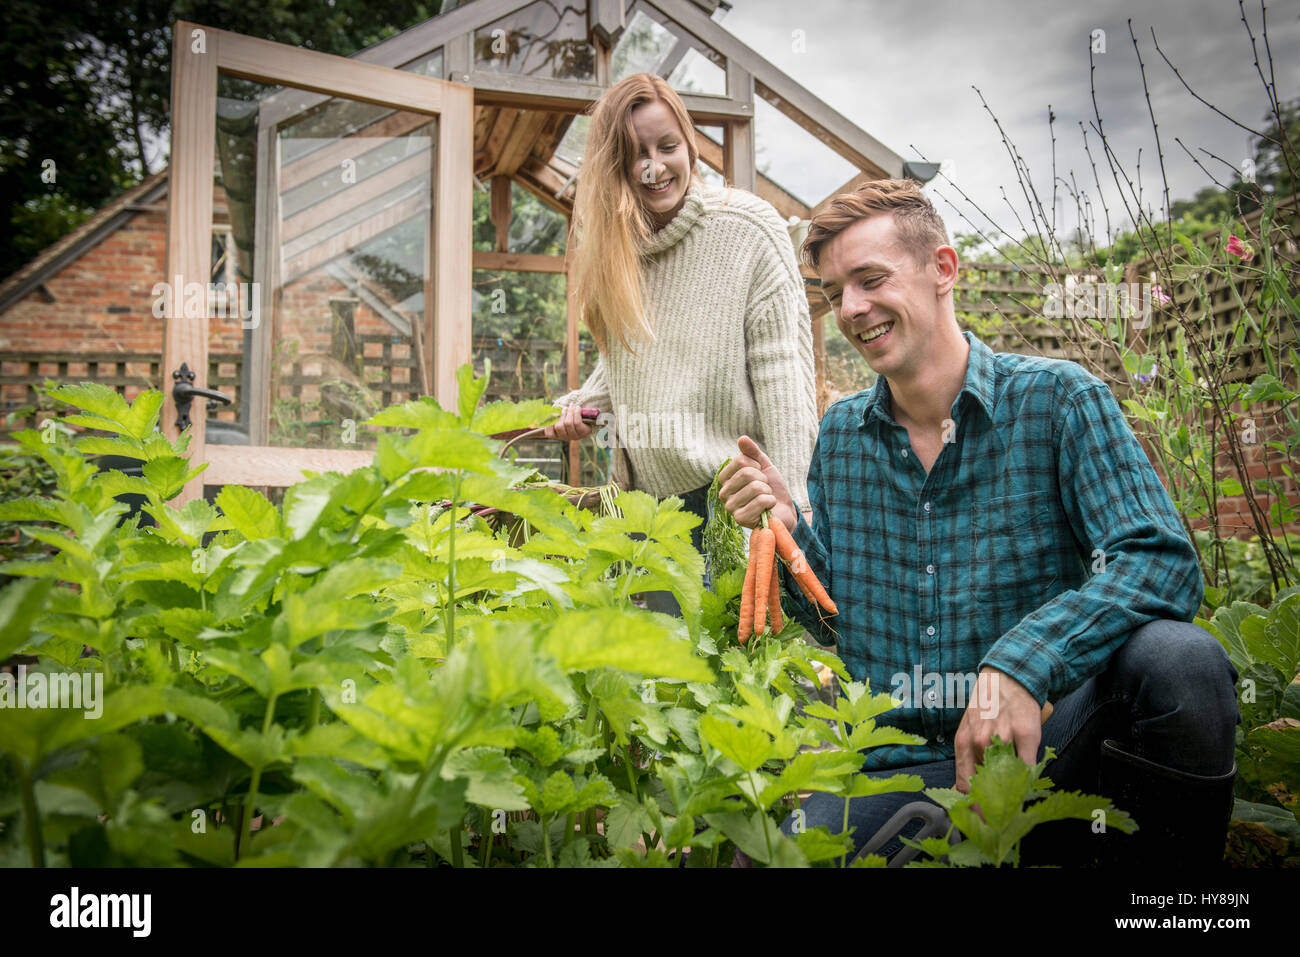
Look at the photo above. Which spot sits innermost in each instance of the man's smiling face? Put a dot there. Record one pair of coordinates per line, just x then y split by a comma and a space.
885, 304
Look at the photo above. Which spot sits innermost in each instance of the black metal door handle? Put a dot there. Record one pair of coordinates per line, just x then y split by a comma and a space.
185, 392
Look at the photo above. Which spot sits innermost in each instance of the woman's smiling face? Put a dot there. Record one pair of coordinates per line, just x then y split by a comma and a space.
661, 171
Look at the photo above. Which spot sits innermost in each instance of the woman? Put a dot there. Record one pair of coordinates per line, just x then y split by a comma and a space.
696, 305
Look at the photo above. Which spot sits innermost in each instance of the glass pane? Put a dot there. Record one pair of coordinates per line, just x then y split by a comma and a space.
574, 141
794, 159
653, 44
542, 39
708, 139
534, 227
351, 197
519, 327
430, 65
594, 461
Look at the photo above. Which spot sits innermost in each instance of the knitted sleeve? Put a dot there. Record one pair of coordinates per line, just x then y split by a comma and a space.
592, 394
779, 356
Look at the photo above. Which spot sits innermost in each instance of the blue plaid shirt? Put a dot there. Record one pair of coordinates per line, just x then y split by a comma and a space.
1040, 539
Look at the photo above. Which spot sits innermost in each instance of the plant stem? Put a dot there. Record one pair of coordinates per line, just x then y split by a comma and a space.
763, 814
844, 829
250, 804
485, 838
31, 815
457, 855
844, 737
631, 774
546, 840
449, 613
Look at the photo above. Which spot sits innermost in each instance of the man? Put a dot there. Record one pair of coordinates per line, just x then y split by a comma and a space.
995, 538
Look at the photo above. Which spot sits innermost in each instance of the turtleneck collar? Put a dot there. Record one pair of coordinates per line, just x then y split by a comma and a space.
680, 224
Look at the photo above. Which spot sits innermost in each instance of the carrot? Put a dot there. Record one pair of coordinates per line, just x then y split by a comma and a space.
746, 625
774, 602
794, 557
806, 593
762, 544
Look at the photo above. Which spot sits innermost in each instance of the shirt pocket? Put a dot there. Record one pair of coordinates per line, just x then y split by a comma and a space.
1012, 564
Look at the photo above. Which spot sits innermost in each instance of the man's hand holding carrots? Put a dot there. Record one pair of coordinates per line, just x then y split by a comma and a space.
750, 485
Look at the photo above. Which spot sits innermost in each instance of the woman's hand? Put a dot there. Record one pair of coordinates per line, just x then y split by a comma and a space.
750, 485
571, 426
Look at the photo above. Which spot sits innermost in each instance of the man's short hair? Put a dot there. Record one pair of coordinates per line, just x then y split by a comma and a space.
920, 229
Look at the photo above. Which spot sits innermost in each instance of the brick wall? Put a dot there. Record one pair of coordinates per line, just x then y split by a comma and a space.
103, 304
102, 301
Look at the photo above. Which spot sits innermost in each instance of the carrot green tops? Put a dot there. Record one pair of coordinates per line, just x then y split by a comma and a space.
732, 354
1039, 541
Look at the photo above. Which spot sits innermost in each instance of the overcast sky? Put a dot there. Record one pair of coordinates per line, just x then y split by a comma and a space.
904, 71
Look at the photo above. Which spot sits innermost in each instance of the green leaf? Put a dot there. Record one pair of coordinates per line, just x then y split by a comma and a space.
470, 390
305, 502
498, 417
490, 778
189, 523
626, 822
451, 449
754, 833
250, 512
820, 844
645, 645
864, 786
1266, 388
421, 413
21, 602
168, 475
108, 410
743, 745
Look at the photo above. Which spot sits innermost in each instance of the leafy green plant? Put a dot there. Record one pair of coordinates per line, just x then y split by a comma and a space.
369, 673
1007, 799
1263, 644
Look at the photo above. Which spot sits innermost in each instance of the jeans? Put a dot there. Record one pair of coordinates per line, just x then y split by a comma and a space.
696, 502
1166, 695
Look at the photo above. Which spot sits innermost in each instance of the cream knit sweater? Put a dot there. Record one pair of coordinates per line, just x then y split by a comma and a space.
732, 354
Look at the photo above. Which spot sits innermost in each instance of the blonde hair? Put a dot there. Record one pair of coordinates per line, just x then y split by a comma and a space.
919, 227
609, 220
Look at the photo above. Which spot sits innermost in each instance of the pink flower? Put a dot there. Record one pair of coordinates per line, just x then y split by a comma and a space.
1239, 249
1159, 297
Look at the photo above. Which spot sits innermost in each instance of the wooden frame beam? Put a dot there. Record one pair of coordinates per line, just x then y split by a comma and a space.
519, 144
738, 135
360, 194
268, 465
200, 53
785, 203
518, 262
328, 158
570, 96
829, 126
189, 213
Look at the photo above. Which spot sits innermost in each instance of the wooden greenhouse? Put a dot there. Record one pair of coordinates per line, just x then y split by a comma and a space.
349, 184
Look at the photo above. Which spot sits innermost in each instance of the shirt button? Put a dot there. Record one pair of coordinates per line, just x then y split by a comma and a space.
930, 630
940, 739
930, 695
929, 569
904, 453
927, 506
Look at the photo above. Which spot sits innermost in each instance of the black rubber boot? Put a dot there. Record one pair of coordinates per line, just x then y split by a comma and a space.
1182, 818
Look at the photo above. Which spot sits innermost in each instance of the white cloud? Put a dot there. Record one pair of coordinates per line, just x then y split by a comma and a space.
904, 73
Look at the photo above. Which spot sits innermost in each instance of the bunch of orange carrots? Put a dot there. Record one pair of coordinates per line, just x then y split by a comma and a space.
760, 598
